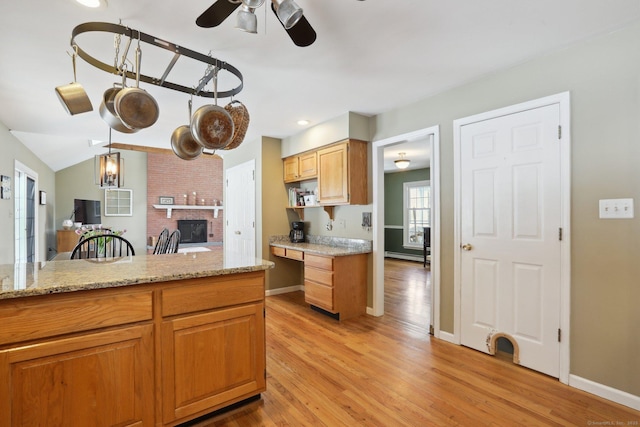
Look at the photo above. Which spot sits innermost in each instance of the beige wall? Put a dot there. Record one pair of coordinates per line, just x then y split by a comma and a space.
77, 182
603, 77
13, 150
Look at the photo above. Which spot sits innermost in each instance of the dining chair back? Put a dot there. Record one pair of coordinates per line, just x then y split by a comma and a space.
161, 244
102, 246
173, 243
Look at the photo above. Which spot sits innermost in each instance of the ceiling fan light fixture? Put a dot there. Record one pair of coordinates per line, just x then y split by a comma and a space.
253, 4
402, 163
289, 13
247, 20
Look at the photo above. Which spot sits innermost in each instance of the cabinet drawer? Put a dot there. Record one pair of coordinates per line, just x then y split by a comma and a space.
319, 295
294, 254
317, 275
190, 295
323, 262
277, 251
40, 317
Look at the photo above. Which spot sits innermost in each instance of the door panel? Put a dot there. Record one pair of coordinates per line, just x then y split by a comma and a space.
240, 215
510, 216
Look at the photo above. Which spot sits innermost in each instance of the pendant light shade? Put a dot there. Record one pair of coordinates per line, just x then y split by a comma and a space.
289, 13
402, 163
109, 169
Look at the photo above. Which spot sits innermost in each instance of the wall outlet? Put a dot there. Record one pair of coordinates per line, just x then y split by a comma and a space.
616, 208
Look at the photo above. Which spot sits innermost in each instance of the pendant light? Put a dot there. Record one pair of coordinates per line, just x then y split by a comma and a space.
109, 168
402, 163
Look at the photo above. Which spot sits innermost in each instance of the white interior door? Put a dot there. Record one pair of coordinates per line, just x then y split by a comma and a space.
510, 260
240, 215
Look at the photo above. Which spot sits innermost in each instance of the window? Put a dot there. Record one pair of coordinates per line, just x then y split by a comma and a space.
417, 212
118, 202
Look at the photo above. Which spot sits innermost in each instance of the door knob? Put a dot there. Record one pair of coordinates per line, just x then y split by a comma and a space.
466, 247
238, 232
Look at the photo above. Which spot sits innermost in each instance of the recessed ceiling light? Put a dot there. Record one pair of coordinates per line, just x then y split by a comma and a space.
303, 122
92, 3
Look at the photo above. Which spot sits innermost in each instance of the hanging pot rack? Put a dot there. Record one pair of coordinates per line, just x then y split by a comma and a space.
212, 63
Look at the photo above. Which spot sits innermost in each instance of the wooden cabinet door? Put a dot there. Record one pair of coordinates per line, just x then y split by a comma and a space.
291, 169
212, 359
333, 178
308, 165
98, 379
66, 240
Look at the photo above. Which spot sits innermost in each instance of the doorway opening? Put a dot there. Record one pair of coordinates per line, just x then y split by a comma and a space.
432, 141
25, 214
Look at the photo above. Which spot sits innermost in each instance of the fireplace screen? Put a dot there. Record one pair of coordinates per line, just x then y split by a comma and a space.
192, 230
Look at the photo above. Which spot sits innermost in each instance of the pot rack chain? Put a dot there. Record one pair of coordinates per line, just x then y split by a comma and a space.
213, 64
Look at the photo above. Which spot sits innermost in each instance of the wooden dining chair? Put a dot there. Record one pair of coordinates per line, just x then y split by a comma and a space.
173, 243
102, 246
161, 244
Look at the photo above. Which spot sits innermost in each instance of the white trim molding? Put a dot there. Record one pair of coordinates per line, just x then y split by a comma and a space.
606, 392
278, 291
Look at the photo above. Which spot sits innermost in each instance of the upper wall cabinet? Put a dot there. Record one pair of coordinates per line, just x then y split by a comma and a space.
342, 173
340, 168
300, 167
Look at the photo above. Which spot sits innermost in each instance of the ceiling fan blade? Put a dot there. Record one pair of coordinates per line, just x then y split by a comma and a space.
216, 14
302, 34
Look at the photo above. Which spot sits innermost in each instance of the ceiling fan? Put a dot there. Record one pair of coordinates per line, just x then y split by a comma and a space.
289, 14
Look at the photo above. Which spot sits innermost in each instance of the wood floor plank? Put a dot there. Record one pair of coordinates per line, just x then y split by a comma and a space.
387, 371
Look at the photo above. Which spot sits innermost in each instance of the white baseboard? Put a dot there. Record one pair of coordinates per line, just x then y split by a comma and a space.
606, 392
407, 257
448, 337
286, 290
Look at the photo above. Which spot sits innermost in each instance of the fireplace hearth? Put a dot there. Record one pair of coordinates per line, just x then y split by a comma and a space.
192, 230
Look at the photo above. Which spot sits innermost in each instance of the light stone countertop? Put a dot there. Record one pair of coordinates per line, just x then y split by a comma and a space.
323, 245
30, 279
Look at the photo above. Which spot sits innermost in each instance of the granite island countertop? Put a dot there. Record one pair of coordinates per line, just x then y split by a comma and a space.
323, 245
42, 278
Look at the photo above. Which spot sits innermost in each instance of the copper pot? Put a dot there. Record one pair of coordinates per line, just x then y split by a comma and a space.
135, 107
240, 116
108, 112
212, 127
182, 142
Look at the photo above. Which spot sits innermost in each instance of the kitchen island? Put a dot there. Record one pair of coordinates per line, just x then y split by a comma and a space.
135, 341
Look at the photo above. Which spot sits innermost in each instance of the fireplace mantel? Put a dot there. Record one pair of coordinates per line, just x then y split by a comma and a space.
169, 208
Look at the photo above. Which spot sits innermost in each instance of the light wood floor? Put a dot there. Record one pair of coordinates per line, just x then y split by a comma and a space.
387, 371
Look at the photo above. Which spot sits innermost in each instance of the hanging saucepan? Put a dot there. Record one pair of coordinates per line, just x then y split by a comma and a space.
136, 108
73, 96
211, 125
182, 142
240, 116
108, 111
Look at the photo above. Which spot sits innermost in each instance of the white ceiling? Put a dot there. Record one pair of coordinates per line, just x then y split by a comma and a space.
370, 57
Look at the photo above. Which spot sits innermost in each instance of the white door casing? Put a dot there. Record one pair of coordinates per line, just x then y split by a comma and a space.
512, 209
240, 215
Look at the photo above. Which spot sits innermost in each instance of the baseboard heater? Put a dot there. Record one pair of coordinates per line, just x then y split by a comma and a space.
407, 257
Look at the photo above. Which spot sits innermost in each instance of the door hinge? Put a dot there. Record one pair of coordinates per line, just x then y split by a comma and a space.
560, 233
559, 335
265, 373
431, 331
253, 175
264, 311
559, 132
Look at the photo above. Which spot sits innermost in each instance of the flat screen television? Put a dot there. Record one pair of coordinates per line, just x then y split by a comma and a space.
87, 211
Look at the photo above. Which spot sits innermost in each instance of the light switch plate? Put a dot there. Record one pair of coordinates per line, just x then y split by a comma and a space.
616, 208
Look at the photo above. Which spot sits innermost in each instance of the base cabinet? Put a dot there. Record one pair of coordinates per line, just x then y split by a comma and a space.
98, 379
210, 359
143, 355
337, 285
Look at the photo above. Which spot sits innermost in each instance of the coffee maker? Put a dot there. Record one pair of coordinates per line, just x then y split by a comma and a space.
296, 235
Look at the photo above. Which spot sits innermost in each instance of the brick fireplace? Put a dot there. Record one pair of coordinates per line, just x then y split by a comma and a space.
192, 230
170, 176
